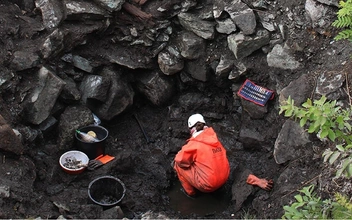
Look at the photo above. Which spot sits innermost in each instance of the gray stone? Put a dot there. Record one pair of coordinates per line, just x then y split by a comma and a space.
330, 2
9, 141
82, 63
74, 117
225, 66
281, 57
70, 94
226, 26
119, 98
191, 46
304, 84
52, 12
170, 61
79, 10
243, 16
241, 190
204, 29
329, 82
44, 96
316, 12
254, 111
198, 69
4, 191
157, 88
53, 44
5, 78
291, 138
112, 5
23, 60
251, 138
242, 46
95, 87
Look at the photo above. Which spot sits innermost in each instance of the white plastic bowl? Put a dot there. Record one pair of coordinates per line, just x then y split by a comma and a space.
74, 162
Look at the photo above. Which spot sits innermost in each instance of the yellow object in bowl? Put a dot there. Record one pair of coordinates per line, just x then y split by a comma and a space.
92, 133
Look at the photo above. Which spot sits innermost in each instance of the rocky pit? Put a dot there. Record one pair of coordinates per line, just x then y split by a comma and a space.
143, 67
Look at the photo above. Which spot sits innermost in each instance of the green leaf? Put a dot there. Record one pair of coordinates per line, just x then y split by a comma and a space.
299, 198
322, 121
334, 156
348, 126
327, 155
307, 104
321, 101
311, 128
349, 146
331, 135
324, 133
289, 113
349, 170
345, 163
312, 203
303, 121
340, 147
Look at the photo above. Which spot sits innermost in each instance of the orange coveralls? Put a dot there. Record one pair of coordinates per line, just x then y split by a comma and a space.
202, 163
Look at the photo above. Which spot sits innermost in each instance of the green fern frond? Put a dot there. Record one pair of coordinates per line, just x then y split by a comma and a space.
342, 22
345, 8
345, 34
342, 208
343, 201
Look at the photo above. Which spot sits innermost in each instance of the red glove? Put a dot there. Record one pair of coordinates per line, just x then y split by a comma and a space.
262, 183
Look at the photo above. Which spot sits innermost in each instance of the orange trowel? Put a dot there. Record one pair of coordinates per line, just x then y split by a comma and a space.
99, 161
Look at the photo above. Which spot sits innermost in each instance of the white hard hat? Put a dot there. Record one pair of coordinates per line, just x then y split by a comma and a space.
193, 119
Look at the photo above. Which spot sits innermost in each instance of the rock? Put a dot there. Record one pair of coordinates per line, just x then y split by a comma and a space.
170, 61
198, 69
227, 26
255, 111
95, 87
70, 93
330, 2
23, 60
157, 88
304, 84
242, 46
9, 141
52, 12
203, 29
119, 98
72, 118
79, 10
225, 66
191, 46
243, 16
111, 5
82, 63
251, 138
4, 191
316, 12
290, 141
20, 176
267, 20
281, 57
114, 212
329, 82
53, 44
44, 96
5, 78
241, 190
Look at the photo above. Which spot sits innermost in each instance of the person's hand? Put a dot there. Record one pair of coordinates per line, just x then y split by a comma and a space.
262, 183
